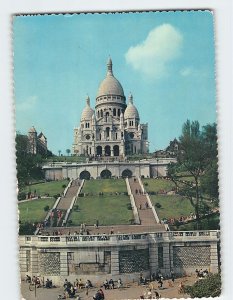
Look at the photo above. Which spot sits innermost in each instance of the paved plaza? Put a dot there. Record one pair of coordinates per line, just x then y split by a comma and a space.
129, 291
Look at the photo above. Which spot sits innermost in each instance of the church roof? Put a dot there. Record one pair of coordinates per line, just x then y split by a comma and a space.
87, 112
131, 110
32, 129
110, 85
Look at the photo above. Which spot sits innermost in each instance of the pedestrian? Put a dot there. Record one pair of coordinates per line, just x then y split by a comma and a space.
140, 206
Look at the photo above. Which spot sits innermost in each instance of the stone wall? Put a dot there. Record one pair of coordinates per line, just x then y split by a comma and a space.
125, 255
141, 168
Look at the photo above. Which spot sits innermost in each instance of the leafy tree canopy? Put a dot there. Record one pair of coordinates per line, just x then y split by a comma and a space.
207, 287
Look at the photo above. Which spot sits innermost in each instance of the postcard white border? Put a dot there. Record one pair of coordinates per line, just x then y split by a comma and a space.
223, 11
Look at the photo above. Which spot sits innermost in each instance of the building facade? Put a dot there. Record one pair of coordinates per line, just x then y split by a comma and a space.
37, 142
113, 128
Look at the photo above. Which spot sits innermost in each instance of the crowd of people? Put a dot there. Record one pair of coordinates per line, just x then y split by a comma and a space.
201, 273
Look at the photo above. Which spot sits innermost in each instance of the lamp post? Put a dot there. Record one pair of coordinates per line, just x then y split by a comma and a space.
157, 167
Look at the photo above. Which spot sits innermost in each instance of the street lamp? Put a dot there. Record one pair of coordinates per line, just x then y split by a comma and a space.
157, 167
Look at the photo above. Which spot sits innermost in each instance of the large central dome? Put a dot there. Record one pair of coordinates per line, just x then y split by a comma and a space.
110, 85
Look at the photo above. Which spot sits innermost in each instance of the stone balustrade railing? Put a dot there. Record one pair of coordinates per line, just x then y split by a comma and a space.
118, 239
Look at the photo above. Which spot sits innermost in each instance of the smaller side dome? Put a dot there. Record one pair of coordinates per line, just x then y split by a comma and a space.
88, 112
131, 110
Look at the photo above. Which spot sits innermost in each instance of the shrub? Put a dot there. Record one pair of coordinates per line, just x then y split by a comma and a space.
21, 196
129, 206
158, 205
70, 222
26, 228
46, 208
207, 287
76, 208
146, 183
64, 186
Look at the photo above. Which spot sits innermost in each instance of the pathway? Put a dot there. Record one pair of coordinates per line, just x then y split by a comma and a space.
145, 214
65, 202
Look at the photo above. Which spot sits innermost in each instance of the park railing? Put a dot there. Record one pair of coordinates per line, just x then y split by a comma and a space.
120, 239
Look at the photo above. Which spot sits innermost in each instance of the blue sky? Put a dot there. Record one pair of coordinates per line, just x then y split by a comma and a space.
165, 59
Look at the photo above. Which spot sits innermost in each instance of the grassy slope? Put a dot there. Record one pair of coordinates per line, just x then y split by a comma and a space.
51, 188
108, 210
156, 185
105, 186
33, 211
172, 206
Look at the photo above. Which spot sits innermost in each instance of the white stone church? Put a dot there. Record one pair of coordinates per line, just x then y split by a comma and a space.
113, 128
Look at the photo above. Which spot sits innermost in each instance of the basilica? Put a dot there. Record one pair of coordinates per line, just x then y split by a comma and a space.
113, 128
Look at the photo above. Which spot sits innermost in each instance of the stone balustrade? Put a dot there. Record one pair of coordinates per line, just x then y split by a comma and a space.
168, 236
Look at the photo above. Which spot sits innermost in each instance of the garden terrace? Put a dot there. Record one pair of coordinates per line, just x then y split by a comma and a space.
158, 185
33, 211
47, 188
106, 186
108, 210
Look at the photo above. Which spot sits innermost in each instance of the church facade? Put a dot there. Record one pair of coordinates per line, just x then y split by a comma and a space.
113, 128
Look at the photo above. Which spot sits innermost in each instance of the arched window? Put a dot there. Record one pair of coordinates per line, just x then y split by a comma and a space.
116, 150
99, 150
107, 132
116, 135
98, 113
101, 113
119, 112
114, 112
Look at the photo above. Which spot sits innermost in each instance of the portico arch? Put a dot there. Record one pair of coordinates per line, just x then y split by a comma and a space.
85, 175
105, 174
127, 173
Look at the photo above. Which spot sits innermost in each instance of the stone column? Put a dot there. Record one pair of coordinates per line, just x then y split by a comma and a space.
166, 258
153, 259
114, 262
112, 152
63, 263
23, 260
34, 261
213, 257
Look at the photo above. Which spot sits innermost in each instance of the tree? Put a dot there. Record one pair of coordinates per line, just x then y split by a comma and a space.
59, 152
198, 150
207, 287
28, 164
68, 151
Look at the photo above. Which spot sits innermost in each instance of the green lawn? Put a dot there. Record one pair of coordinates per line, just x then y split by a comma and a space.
108, 210
51, 188
33, 211
156, 185
172, 206
105, 186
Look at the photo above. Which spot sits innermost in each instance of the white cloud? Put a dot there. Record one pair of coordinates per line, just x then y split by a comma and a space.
27, 105
186, 71
194, 72
162, 45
